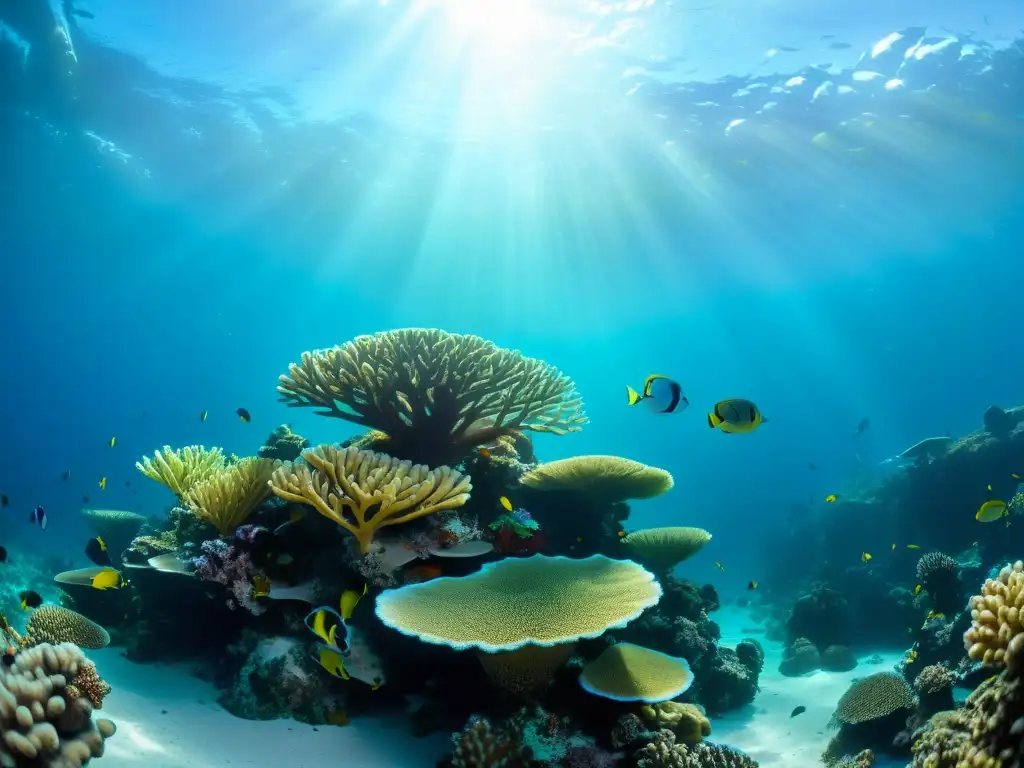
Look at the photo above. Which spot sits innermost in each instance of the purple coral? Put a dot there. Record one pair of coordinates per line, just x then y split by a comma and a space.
229, 563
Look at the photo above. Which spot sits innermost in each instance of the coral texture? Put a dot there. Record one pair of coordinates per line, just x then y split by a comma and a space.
180, 469
686, 721
997, 615
665, 548
363, 491
227, 496
627, 672
480, 745
54, 624
283, 445
664, 752
873, 697
611, 478
230, 564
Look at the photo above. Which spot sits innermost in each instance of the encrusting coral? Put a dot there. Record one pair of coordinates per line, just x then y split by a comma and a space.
686, 721
480, 745
227, 496
54, 624
627, 672
87, 684
180, 469
43, 721
435, 394
665, 548
363, 491
611, 478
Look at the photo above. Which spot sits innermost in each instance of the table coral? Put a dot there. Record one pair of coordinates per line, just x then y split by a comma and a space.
611, 478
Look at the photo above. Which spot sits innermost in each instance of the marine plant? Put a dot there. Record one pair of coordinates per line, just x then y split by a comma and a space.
435, 394
364, 491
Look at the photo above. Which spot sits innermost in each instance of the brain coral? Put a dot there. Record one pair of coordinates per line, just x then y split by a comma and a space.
873, 697
53, 624
510, 603
996, 616
627, 672
665, 548
611, 478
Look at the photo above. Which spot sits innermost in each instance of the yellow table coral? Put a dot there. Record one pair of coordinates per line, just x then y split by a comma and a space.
627, 672
665, 548
610, 478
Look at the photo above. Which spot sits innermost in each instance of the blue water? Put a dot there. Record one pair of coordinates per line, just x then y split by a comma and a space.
195, 193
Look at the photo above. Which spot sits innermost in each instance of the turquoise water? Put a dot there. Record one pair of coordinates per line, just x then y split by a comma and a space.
817, 211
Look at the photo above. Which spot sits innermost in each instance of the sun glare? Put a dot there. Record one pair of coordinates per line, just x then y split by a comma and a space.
498, 28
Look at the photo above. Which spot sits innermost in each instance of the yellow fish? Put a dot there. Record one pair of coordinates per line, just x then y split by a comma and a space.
203, 415
324, 623
989, 486
865, 557
113, 441
719, 566
917, 590
103, 483
349, 601
108, 578
752, 585
579, 539
912, 546
735, 417
831, 498
894, 546
1015, 476
991, 511
912, 657
505, 503
260, 586
330, 659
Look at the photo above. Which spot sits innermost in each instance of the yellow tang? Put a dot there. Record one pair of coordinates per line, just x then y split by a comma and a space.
108, 578
865, 557
505, 503
324, 623
991, 511
349, 601
831, 498
735, 417
330, 659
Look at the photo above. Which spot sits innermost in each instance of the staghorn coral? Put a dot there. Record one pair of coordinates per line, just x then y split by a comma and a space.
283, 445
227, 496
664, 752
180, 469
434, 394
996, 616
939, 574
611, 478
689, 724
87, 684
43, 725
54, 624
363, 491
627, 672
480, 745
665, 548
873, 697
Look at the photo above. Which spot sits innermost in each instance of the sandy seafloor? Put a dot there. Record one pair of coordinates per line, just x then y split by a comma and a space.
167, 718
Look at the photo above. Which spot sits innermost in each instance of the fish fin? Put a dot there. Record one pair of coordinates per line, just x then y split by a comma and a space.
633, 396
650, 380
712, 421
765, 419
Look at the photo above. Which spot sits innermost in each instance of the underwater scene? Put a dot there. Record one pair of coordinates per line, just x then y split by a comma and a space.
511, 383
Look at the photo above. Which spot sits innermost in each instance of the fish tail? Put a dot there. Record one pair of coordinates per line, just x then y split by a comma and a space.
633, 395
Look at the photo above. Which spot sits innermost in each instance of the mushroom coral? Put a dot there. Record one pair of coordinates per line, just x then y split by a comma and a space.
665, 548
627, 672
434, 394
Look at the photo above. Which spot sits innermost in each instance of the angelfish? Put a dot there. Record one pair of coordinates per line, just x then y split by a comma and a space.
660, 394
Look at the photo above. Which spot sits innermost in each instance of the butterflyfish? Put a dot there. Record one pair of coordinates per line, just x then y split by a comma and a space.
752, 585
96, 550
113, 442
505, 503
30, 599
243, 415
349, 601
330, 659
324, 622
108, 578
735, 417
865, 557
103, 483
660, 395
991, 511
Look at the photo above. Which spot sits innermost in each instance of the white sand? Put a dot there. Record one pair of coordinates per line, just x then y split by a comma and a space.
764, 730
167, 718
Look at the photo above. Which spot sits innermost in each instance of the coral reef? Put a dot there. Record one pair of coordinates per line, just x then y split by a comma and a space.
800, 657
283, 445
664, 752
686, 721
231, 565
43, 720
482, 746
664, 548
934, 687
180, 469
118, 527
996, 616
227, 496
52, 624
627, 672
434, 394
871, 715
611, 478
939, 574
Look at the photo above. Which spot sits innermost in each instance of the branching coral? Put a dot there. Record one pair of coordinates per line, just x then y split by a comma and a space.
363, 491
480, 745
611, 478
227, 496
54, 624
664, 752
43, 723
435, 394
180, 469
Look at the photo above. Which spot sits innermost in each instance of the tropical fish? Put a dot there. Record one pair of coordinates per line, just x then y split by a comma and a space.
621, 534
989, 486
485, 453
934, 615
798, 711
831, 498
349, 601
912, 546
3, 555
9, 656
719, 566
103, 483
243, 415
752, 585
113, 442
108, 578
30, 599
917, 590
38, 517
912, 656
894, 546
203, 415
1015, 476
260, 585
862, 427
811, 466
865, 557
736, 416
992, 510
330, 658
96, 550
324, 622
660, 395
4, 501
505, 503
